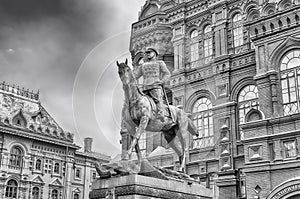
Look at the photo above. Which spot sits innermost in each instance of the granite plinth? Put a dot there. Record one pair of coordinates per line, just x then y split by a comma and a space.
141, 187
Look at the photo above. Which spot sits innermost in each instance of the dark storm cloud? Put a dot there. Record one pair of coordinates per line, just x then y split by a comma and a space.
43, 43
49, 32
53, 36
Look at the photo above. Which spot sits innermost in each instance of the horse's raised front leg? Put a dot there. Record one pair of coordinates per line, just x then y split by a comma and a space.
141, 129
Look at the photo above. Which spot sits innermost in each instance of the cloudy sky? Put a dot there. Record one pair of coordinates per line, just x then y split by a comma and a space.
67, 49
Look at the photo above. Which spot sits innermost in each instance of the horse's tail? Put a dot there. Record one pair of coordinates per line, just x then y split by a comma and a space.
192, 128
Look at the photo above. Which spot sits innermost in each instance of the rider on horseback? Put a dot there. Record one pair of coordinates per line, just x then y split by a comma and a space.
155, 74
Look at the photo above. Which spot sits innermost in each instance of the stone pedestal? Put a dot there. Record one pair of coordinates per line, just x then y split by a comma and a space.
141, 187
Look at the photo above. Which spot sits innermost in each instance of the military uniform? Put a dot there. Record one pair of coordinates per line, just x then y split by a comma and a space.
153, 72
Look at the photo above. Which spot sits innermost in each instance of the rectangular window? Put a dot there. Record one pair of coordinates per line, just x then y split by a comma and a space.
289, 149
77, 173
208, 50
238, 36
47, 166
208, 47
194, 52
204, 124
289, 92
142, 142
56, 168
94, 176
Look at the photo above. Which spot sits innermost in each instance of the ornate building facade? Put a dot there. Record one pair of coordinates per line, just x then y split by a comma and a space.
236, 68
38, 159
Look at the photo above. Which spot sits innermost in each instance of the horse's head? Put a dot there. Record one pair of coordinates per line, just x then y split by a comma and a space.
125, 73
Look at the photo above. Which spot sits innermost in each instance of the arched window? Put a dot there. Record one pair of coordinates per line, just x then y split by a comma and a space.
194, 34
76, 196
247, 100
290, 82
203, 120
31, 127
6, 121
39, 129
237, 30
56, 168
16, 157
208, 47
285, 4
38, 164
54, 194
55, 133
35, 193
11, 189
194, 46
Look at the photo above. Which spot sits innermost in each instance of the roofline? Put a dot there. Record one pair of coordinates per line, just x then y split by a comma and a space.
27, 134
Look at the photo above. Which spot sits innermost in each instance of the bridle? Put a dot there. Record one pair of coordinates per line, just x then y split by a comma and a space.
132, 102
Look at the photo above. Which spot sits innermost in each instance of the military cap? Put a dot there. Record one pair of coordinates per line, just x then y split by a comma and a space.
149, 49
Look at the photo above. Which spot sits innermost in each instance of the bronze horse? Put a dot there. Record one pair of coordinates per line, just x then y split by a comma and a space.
139, 115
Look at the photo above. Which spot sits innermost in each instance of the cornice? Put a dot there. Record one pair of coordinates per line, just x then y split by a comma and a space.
151, 30
28, 134
277, 14
265, 75
224, 105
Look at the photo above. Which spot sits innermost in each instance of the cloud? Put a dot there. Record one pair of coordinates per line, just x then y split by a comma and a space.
42, 46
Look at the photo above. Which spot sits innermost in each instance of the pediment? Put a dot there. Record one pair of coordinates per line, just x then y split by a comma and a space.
76, 190
149, 9
19, 119
38, 179
56, 182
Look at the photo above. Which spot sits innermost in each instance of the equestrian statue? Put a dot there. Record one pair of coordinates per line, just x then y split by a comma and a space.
145, 111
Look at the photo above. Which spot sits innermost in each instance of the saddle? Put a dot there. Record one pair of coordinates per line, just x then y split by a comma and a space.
154, 108
167, 113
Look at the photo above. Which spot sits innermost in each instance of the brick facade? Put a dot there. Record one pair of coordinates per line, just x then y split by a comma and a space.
254, 147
